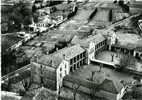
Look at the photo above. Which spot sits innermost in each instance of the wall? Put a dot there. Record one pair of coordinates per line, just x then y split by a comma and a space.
91, 51
61, 72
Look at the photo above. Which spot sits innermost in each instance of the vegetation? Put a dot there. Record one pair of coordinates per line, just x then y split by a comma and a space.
75, 88
44, 94
15, 17
127, 61
13, 61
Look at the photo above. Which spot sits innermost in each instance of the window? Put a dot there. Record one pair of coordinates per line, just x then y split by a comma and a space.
74, 59
101, 44
71, 61
61, 69
65, 66
84, 54
60, 75
78, 57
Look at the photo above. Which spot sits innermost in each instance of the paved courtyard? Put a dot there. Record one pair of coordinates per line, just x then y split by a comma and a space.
107, 56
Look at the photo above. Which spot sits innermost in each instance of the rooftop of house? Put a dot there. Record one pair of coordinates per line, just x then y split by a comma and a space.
129, 40
64, 6
9, 40
96, 39
134, 92
55, 59
10, 95
102, 15
85, 29
75, 39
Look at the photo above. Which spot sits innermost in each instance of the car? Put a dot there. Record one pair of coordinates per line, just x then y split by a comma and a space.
24, 35
21, 34
100, 27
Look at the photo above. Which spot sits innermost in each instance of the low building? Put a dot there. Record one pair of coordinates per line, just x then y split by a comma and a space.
57, 65
10, 96
138, 52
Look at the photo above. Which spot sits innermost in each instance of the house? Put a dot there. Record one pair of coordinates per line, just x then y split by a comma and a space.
135, 6
10, 41
138, 52
112, 39
10, 96
92, 45
132, 91
57, 65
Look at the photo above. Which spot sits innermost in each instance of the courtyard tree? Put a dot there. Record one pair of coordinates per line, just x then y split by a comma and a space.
75, 88
93, 87
112, 57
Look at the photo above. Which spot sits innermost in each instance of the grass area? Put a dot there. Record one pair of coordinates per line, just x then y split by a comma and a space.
106, 73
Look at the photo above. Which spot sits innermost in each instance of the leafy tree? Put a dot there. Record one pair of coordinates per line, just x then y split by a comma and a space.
75, 88
16, 16
94, 89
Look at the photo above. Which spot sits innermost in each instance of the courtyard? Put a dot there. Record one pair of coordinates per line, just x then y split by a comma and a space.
113, 57
105, 73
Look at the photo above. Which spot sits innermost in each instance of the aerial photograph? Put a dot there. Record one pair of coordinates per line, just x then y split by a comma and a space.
71, 50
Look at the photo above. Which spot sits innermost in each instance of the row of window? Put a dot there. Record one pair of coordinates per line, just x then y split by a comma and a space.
77, 58
100, 44
62, 71
41, 25
77, 65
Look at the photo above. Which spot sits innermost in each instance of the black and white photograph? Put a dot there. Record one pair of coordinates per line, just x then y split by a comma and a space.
71, 49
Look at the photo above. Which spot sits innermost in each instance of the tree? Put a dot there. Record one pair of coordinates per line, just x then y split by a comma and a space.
127, 61
112, 57
94, 89
75, 87
7, 85
44, 94
18, 15
26, 84
101, 66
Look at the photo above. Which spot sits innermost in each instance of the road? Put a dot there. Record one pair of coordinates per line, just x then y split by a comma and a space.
16, 73
120, 22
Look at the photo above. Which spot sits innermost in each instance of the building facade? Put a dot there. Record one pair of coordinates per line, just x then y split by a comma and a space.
56, 66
